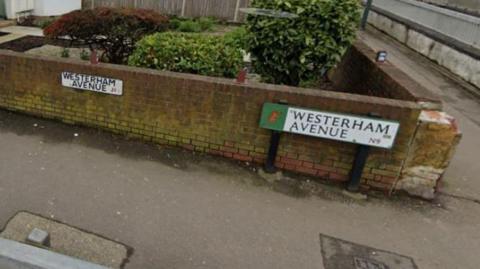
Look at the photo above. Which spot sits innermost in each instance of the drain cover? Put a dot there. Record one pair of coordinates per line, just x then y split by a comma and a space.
340, 254
361, 263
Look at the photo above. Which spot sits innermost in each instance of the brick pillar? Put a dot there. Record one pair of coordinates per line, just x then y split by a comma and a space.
430, 153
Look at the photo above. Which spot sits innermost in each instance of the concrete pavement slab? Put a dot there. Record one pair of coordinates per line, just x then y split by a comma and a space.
67, 240
23, 30
5, 23
10, 37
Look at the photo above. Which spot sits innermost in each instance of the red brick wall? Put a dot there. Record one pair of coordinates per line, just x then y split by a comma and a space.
212, 115
360, 73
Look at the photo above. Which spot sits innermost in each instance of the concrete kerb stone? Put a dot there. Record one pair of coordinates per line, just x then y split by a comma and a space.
399, 32
23, 30
461, 64
67, 240
10, 37
15, 255
419, 42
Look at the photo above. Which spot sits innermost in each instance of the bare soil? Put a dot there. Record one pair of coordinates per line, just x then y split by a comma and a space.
30, 42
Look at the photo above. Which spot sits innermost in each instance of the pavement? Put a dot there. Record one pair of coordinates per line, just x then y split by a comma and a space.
16, 32
66, 240
460, 99
22, 30
177, 209
5, 23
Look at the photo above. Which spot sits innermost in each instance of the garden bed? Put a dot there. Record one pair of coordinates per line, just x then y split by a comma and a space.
202, 46
30, 42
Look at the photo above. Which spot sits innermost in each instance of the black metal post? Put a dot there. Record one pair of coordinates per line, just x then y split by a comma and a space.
359, 163
272, 152
273, 149
358, 166
368, 7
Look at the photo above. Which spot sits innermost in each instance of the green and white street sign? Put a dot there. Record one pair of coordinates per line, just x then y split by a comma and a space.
341, 127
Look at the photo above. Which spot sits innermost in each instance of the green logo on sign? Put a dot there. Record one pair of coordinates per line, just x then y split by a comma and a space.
273, 116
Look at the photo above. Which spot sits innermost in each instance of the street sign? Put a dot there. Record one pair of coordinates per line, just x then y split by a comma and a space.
92, 83
341, 127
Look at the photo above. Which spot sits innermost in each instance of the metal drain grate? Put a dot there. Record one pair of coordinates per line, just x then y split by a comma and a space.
361, 263
341, 254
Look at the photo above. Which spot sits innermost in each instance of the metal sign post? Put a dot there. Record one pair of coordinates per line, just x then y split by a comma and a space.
361, 157
358, 167
368, 7
274, 143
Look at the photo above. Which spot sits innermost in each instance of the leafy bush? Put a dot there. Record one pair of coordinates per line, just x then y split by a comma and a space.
237, 38
189, 53
84, 55
189, 26
65, 53
289, 50
114, 31
185, 25
206, 23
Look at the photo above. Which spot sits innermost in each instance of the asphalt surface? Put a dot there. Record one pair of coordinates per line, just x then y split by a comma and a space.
176, 209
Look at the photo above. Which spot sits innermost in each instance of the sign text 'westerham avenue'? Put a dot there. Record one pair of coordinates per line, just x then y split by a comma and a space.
92, 83
348, 128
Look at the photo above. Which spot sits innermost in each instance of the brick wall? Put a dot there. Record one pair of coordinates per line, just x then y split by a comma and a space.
211, 115
358, 72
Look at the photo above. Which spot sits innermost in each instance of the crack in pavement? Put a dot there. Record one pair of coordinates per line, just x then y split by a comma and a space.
460, 197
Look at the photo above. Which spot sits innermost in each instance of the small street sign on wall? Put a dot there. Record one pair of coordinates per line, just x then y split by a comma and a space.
341, 127
92, 83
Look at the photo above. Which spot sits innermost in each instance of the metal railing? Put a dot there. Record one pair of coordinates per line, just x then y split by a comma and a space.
459, 26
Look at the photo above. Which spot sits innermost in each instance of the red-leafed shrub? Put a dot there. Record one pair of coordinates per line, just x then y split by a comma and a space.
114, 31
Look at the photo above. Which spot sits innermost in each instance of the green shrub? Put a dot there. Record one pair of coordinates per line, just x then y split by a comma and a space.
189, 53
289, 50
185, 25
206, 23
65, 53
84, 55
189, 26
237, 38
175, 22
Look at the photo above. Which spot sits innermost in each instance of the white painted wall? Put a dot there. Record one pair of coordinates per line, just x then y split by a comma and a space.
55, 7
14, 6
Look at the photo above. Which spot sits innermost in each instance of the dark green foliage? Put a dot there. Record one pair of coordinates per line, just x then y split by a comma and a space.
65, 53
84, 55
188, 53
206, 23
237, 38
202, 24
291, 50
189, 26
